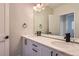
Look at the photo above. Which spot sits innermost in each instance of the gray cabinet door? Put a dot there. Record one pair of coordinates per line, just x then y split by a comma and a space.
46, 51
26, 49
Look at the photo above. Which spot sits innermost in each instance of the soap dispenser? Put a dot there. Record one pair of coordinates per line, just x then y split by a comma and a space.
67, 37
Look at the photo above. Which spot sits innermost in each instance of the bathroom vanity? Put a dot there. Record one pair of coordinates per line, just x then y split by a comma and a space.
41, 46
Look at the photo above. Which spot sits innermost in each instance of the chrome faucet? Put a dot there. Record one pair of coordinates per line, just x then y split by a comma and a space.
67, 37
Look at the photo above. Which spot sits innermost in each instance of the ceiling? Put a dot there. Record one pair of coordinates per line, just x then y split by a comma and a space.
54, 5
51, 5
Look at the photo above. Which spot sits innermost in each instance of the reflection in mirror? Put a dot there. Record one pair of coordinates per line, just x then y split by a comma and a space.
41, 20
67, 24
57, 19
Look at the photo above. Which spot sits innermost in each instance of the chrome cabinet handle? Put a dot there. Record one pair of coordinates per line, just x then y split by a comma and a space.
34, 45
34, 50
25, 41
51, 53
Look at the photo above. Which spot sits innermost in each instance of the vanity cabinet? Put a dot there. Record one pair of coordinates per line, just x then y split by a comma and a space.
32, 48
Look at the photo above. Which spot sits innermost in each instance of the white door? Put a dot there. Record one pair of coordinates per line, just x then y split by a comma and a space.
2, 31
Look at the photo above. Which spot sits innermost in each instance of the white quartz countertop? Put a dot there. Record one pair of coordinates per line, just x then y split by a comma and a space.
66, 47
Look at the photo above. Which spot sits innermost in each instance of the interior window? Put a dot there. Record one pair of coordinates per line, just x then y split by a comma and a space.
67, 24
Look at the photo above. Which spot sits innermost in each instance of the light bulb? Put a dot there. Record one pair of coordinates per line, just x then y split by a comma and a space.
35, 8
39, 7
43, 8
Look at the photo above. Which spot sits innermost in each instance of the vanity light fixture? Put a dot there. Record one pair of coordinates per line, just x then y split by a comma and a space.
39, 7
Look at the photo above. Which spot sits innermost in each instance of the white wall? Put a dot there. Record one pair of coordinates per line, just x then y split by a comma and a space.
19, 13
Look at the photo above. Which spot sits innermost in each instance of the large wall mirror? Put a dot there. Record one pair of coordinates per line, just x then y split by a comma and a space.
56, 19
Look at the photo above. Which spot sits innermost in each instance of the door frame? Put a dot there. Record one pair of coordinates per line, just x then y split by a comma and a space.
6, 28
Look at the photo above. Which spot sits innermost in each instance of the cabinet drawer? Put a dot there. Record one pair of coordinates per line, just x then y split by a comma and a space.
35, 45
36, 52
35, 48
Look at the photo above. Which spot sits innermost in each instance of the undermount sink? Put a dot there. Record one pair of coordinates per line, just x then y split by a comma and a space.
64, 44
